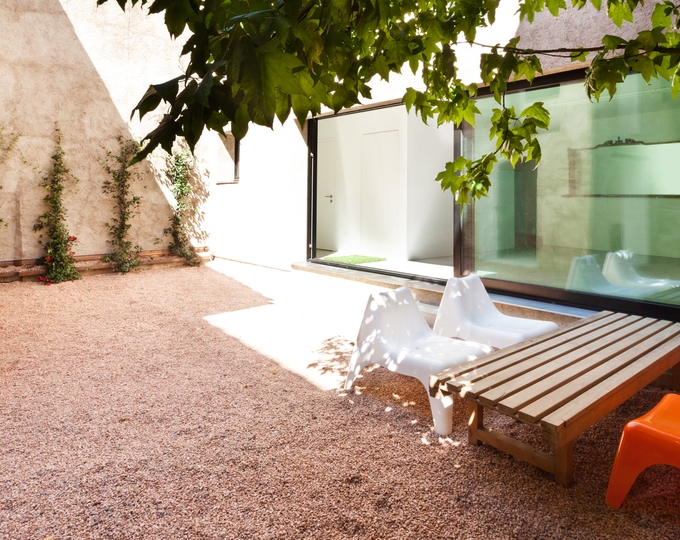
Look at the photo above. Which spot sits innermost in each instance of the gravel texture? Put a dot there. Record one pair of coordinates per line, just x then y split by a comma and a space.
206, 403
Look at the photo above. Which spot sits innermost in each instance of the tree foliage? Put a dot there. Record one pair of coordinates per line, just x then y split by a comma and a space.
252, 61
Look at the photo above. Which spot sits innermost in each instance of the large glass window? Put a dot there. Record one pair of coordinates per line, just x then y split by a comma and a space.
601, 212
376, 199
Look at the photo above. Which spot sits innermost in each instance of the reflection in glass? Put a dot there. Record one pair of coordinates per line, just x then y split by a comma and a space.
600, 212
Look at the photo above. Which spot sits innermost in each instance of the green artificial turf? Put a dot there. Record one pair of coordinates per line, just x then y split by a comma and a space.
353, 259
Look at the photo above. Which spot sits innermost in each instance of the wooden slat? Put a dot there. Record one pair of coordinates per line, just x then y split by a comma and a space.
580, 413
535, 369
521, 391
455, 371
542, 407
478, 381
517, 449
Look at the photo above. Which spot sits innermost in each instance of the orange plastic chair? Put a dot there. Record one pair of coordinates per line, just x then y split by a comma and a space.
652, 439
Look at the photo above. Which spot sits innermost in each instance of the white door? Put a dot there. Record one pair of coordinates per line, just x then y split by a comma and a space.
380, 194
326, 201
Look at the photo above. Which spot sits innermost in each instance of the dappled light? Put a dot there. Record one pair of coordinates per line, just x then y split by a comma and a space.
394, 334
308, 327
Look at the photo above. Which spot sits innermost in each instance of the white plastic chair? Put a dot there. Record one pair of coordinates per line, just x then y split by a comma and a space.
586, 275
467, 312
394, 334
618, 270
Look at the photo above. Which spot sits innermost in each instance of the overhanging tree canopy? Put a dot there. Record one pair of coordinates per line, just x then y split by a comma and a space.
254, 61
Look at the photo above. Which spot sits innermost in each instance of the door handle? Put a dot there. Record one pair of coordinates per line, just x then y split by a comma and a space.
329, 197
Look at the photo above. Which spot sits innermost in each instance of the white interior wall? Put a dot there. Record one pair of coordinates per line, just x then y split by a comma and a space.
430, 211
380, 194
348, 131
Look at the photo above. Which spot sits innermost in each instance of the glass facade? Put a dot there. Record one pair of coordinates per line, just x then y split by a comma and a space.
600, 213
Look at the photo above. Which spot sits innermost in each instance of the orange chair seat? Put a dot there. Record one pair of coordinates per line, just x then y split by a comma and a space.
652, 439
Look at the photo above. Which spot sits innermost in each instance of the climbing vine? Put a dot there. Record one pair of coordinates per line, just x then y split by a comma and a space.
6, 145
124, 255
59, 260
179, 167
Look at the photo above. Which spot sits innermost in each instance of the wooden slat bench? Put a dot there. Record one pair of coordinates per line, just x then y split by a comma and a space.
563, 382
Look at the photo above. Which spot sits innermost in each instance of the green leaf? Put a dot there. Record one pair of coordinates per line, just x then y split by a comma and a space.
611, 43
282, 106
644, 66
239, 126
177, 14
538, 112
150, 100
301, 107
661, 16
675, 84
203, 90
554, 6
651, 38
409, 98
168, 90
619, 11
578, 56
279, 72
164, 135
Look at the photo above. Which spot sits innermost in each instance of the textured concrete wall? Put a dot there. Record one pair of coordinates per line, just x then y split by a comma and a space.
50, 77
577, 28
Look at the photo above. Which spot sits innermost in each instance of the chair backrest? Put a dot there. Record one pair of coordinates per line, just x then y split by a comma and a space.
395, 317
617, 269
585, 275
465, 300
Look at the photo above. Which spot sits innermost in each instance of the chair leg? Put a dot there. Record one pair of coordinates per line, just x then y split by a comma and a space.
355, 367
634, 455
442, 414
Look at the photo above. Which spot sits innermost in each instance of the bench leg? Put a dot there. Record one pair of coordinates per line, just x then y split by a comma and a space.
564, 464
676, 378
476, 421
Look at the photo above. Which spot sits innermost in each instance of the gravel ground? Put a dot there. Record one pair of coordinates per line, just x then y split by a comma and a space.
206, 403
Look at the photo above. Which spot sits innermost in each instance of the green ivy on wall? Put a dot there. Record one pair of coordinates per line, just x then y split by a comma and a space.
59, 260
124, 255
180, 166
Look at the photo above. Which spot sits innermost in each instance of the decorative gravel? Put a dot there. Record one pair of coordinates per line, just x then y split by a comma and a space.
205, 403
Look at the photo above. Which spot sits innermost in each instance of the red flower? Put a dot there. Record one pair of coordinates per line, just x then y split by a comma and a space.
73, 253
47, 259
42, 278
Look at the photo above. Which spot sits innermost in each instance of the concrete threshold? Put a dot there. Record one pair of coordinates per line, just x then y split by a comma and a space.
429, 295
